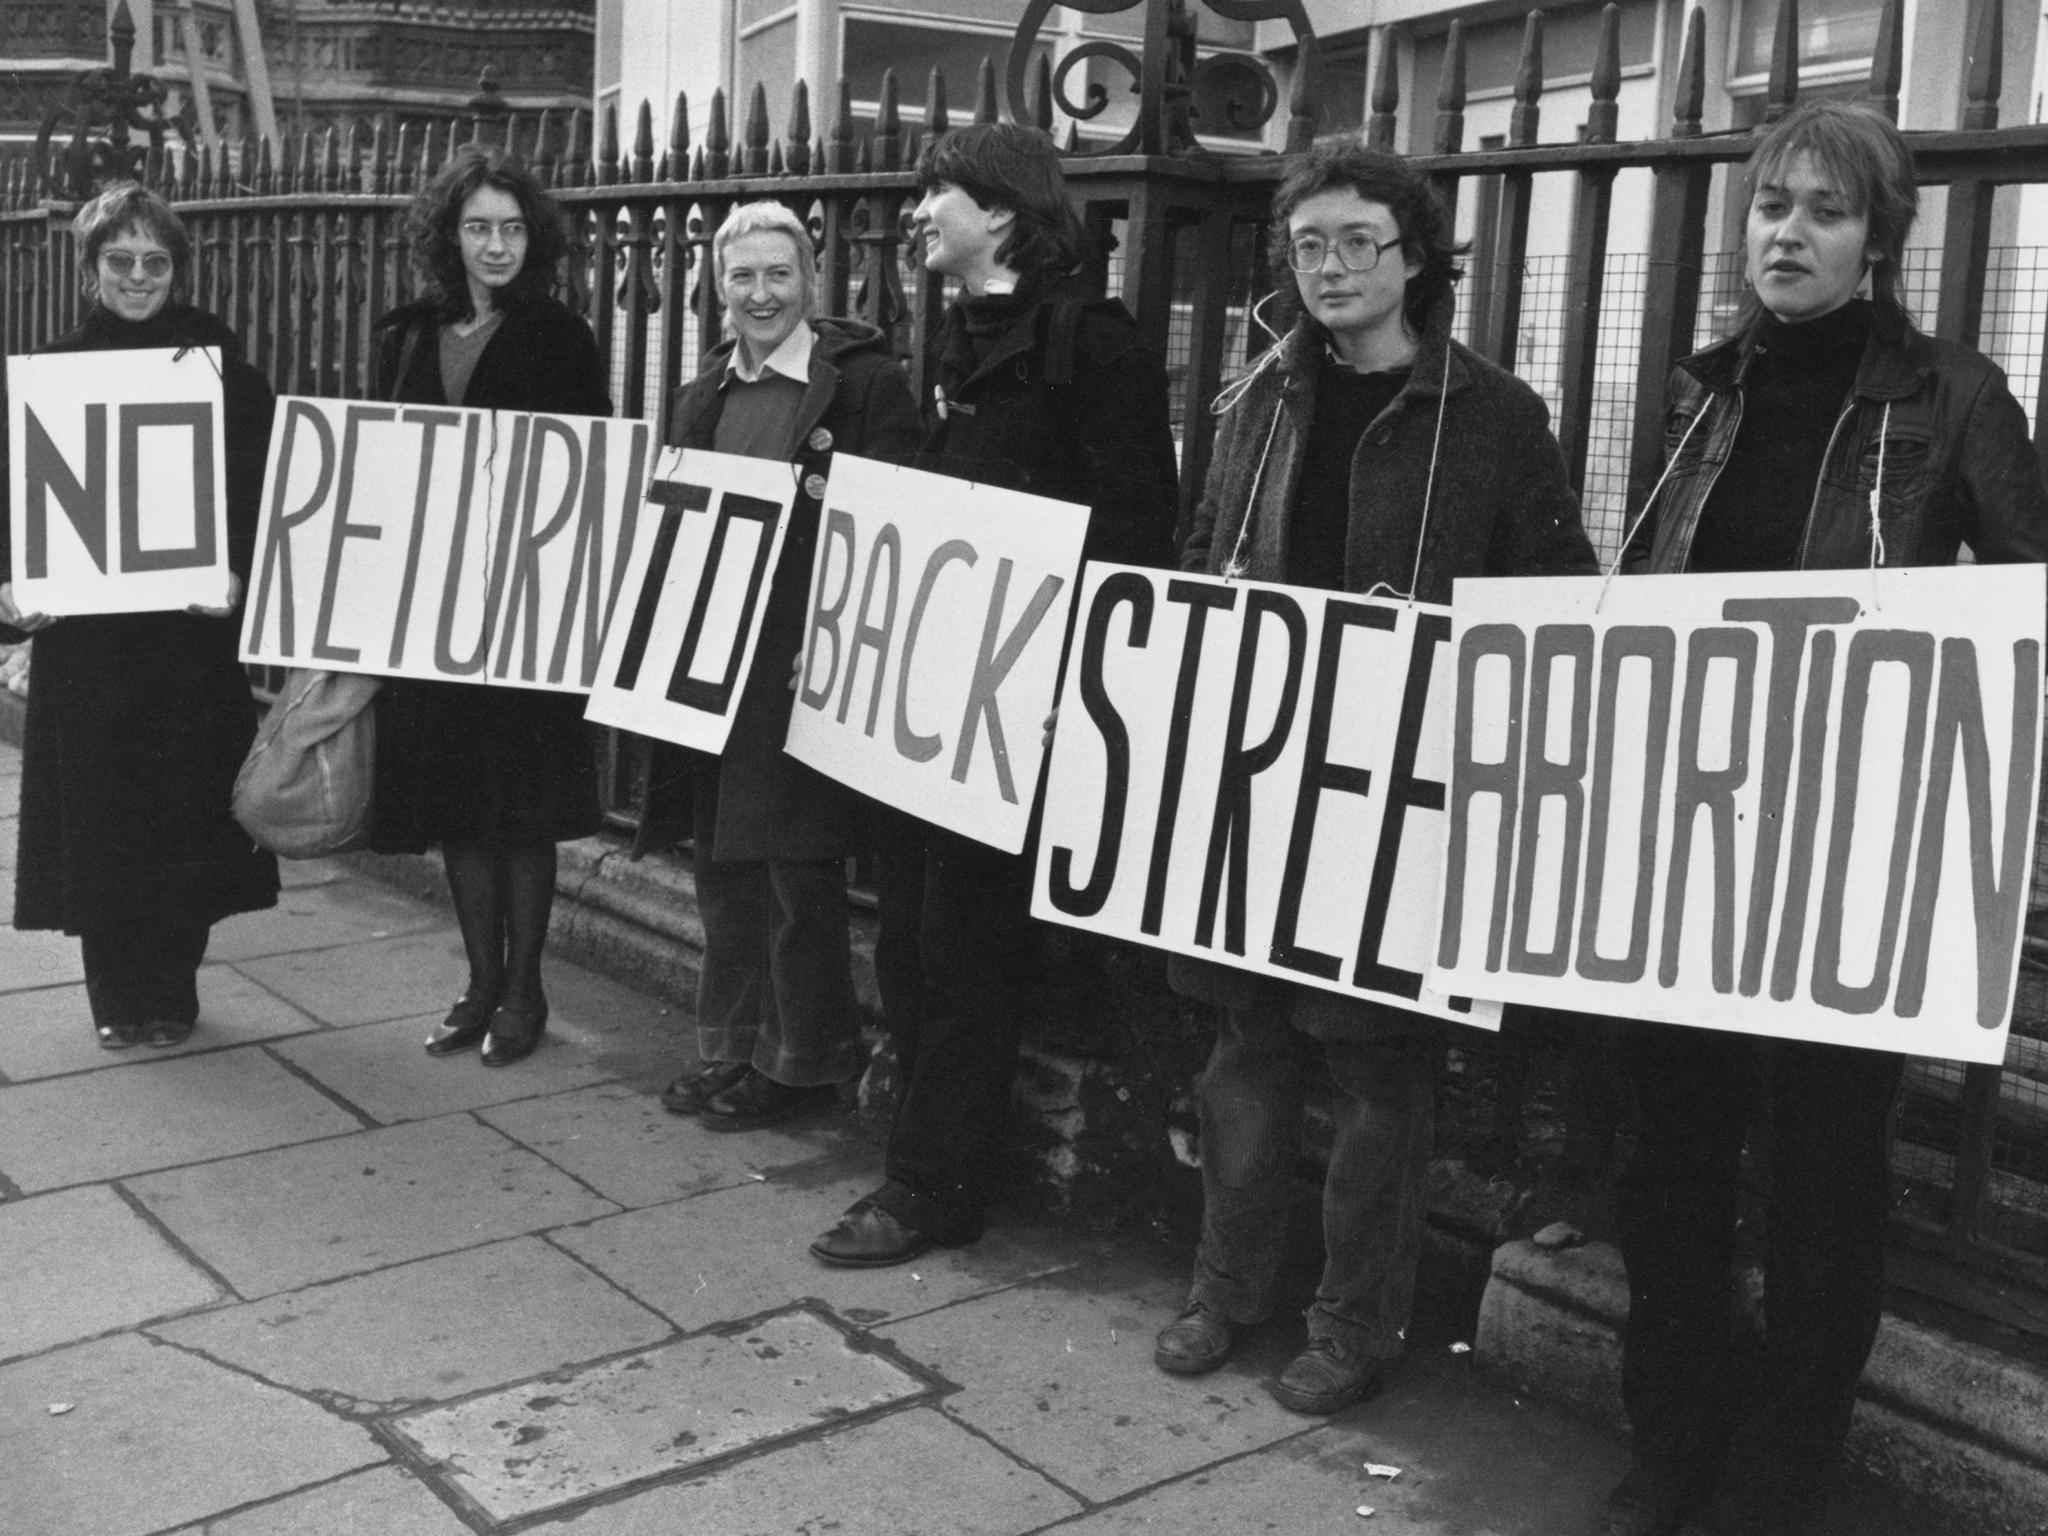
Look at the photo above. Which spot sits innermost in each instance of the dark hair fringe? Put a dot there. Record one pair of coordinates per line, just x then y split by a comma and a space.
1427, 233
431, 230
130, 205
1860, 148
1004, 165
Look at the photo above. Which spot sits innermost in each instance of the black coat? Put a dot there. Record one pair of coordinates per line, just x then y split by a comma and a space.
769, 805
1068, 404
138, 722
465, 762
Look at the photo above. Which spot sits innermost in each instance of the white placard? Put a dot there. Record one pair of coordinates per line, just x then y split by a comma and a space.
932, 643
1796, 804
118, 481
1253, 774
676, 663
433, 542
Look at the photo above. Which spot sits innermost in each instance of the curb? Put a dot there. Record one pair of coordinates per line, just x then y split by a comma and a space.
1959, 1423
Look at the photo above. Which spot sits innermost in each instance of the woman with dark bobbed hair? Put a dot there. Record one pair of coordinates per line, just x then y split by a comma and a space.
1825, 434
496, 776
138, 722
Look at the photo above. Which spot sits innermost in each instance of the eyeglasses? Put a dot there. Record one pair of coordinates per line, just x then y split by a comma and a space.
121, 263
511, 231
1358, 252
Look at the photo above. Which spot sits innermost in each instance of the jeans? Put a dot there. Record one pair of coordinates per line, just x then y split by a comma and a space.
776, 987
1684, 1380
957, 960
1384, 1109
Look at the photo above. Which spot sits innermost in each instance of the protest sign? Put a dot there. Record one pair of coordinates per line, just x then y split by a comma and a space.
1253, 774
118, 481
1797, 804
932, 643
676, 662
432, 542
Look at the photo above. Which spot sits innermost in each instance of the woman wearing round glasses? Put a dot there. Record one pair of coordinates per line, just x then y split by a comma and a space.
138, 722
496, 776
1365, 452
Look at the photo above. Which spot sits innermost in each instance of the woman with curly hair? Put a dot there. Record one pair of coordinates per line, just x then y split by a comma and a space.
496, 776
138, 721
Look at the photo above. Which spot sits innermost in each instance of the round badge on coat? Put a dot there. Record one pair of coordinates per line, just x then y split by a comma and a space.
820, 441
814, 487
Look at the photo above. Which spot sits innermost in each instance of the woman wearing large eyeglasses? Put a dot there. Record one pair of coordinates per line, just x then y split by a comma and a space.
496, 776
137, 722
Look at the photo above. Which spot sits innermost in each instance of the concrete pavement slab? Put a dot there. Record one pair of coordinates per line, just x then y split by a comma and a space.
10, 789
49, 1032
427, 1331
385, 1501
1060, 1373
913, 1473
574, 1435
103, 1125
381, 1069
321, 917
623, 1144
38, 958
80, 1263
369, 982
154, 1438
726, 1254
277, 1221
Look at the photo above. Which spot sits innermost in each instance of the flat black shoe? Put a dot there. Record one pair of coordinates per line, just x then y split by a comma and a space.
757, 1101
1196, 1342
1326, 1377
513, 1034
688, 1094
118, 1037
466, 1024
164, 1033
868, 1237
1654, 1500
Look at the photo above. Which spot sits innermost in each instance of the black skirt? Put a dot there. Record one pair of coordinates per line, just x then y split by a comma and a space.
467, 763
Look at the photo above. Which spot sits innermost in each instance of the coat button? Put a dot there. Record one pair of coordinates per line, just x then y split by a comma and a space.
1384, 436
814, 487
820, 441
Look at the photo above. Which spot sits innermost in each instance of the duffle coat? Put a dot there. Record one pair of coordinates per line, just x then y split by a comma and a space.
462, 762
858, 400
138, 722
1500, 505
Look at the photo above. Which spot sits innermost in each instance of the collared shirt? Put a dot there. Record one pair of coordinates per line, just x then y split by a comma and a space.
792, 359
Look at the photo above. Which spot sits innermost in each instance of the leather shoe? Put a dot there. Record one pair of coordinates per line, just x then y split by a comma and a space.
514, 1032
1654, 1500
118, 1037
688, 1094
164, 1033
1326, 1377
868, 1237
1198, 1340
757, 1101
466, 1024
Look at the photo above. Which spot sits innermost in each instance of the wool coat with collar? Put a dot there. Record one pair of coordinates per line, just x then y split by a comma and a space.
138, 722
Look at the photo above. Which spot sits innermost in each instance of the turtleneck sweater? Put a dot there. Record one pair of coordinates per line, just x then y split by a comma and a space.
1799, 379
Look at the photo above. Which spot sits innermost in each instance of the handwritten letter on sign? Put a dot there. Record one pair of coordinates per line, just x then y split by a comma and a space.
677, 661
932, 644
118, 481
1253, 774
1794, 804
426, 541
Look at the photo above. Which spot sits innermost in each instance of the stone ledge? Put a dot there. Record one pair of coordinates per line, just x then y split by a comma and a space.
1951, 1419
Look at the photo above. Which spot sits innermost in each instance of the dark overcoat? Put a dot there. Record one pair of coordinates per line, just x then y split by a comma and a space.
138, 722
858, 400
1462, 463
464, 762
